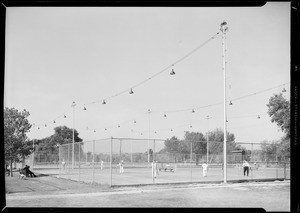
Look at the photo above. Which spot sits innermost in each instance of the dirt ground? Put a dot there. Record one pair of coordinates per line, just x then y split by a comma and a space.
48, 191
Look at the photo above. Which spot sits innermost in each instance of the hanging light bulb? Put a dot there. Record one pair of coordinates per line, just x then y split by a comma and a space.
230, 103
223, 24
131, 92
172, 72
84, 108
283, 90
193, 111
103, 102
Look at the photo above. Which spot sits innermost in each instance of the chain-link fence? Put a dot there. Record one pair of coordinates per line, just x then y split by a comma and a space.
124, 161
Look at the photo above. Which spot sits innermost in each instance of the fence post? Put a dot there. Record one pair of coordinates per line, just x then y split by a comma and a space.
251, 160
86, 156
68, 160
131, 151
111, 161
79, 147
191, 160
93, 160
59, 160
284, 169
153, 150
276, 169
68, 156
120, 150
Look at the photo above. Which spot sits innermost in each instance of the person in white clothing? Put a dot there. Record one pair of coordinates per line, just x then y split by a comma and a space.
63, 164
246, 167
121, 167
101, 164
204, 166
154, 169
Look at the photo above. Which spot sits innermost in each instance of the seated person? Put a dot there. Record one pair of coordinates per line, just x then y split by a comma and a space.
28, 172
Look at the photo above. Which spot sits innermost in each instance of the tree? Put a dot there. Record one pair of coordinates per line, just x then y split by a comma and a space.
176, 147
269, 151
215, 144
279, 111
216, 137
16, 143
199, 143
62, 135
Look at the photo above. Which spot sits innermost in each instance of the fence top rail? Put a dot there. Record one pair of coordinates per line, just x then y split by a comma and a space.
205, 141
161, 140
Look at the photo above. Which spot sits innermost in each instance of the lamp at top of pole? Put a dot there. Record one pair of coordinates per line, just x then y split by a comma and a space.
223, 27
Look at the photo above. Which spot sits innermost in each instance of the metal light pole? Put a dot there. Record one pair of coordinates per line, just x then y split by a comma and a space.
224, 29
73, 151
149, 111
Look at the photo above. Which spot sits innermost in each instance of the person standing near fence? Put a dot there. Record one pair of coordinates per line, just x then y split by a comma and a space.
121, 167
246, 167
204, 167
154, 169
63, 164
101, 164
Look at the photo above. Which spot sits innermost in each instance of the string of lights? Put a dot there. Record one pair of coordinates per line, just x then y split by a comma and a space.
172, 111
192, 109
190, 126
130, 89
55, 120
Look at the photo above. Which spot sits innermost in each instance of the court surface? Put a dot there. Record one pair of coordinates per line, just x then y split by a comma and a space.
143, 175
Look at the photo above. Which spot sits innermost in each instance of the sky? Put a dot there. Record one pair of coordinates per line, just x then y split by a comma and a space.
57, 55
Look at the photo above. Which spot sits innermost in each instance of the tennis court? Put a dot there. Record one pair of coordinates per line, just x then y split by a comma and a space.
181, 174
